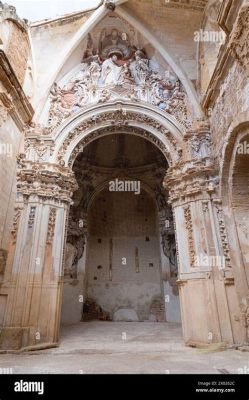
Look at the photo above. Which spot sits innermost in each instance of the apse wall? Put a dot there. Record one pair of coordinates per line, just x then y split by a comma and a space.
123, 268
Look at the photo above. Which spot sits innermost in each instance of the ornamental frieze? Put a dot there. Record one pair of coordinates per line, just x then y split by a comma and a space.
46, 181
115, 120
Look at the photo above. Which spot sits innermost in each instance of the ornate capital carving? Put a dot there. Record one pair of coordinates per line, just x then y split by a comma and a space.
191, 179
45, 180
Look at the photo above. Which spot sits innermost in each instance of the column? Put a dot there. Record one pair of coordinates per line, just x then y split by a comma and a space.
209, 302
34, 274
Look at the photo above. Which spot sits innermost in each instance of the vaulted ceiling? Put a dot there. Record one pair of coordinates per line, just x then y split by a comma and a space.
166, 27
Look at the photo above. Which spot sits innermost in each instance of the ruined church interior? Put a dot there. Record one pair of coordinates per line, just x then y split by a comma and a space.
124, 176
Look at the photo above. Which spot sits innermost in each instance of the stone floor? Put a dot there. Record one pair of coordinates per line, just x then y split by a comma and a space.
125, 347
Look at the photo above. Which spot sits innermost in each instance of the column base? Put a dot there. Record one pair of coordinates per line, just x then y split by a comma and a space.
14, 338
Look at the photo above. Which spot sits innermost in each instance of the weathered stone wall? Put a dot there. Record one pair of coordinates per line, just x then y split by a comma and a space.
232, 99
15, 112
170, 23
122, 228
50, 40
18, 50
10, 142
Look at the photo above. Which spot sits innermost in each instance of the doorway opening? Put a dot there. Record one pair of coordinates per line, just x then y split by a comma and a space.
120, 262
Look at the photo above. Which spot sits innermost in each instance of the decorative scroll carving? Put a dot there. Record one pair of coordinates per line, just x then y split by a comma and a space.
36, 130
223, 234
51, 225
16, 219
189, 227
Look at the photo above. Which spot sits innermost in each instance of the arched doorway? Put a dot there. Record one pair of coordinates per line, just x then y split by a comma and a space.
234, 194
125, 268
239, 175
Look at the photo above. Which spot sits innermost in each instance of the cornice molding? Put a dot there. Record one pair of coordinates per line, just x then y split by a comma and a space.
14, 98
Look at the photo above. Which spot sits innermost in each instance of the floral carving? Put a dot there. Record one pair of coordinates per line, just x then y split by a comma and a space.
189, 227
51, 225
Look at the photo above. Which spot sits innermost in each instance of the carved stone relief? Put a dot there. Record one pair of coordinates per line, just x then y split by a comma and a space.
16, 219
118, 71
189, 227
223, 234
51, 225
118, 121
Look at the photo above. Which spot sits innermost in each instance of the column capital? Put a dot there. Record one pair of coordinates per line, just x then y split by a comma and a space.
45, 180
196, 178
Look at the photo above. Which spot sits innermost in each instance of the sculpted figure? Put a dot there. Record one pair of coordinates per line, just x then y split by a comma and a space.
140, 68
111, 71
126, 75
94, 71
114, 39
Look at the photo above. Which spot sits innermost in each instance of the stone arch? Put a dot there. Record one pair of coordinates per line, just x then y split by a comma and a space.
165, 246
158, 127
233, 193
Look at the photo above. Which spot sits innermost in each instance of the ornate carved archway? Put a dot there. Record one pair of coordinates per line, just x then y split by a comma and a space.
45, 187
